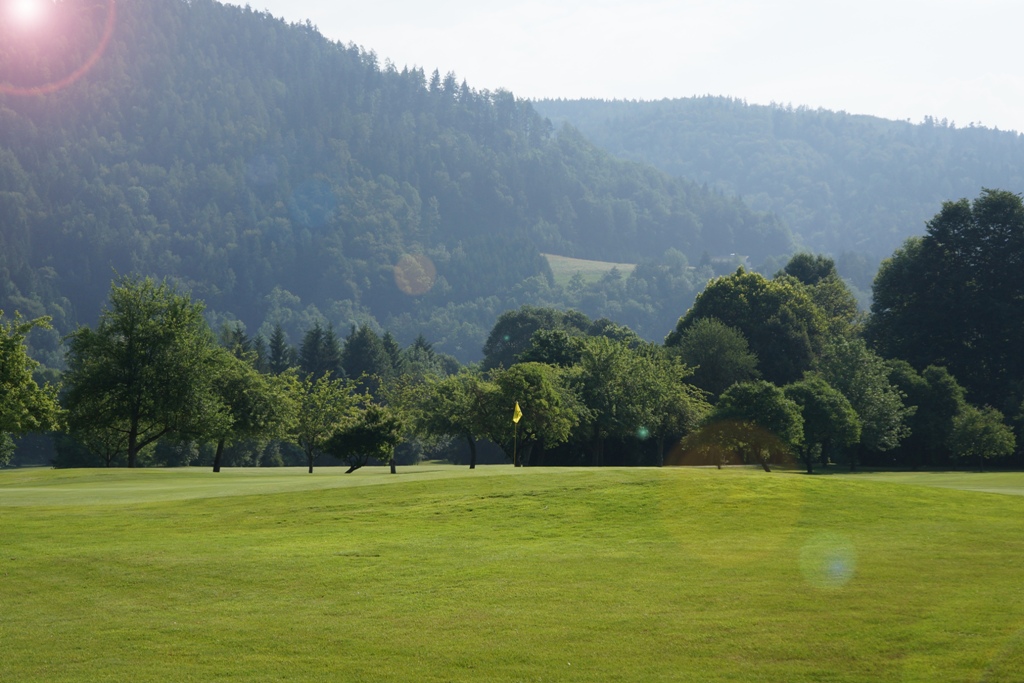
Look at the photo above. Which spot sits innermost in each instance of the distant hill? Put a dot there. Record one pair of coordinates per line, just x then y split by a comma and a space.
842, 183
282, 177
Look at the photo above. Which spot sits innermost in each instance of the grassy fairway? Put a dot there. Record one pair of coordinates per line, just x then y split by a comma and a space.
505, 575
564, 267
1009, 483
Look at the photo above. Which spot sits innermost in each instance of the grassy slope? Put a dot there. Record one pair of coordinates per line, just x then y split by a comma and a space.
564, 267
503, 575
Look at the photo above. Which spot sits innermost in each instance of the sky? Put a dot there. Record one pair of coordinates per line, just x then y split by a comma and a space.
899, 59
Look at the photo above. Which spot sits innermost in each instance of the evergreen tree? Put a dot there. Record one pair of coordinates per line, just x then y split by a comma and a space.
320, 352
280, 355
365, 358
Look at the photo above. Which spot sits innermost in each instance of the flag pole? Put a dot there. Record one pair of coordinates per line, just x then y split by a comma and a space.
517, 415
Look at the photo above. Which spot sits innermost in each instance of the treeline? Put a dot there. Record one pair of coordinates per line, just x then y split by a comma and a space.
758, 370
852, 186
284, 178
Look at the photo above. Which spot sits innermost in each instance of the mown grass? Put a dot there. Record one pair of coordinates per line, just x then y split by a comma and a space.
1009, 483
564, 267
506, 575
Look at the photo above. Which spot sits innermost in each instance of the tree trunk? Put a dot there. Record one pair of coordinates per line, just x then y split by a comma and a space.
472, 451
133, 448
217, 455
659, 459
524, 454
392, 464
352, 469
598, 451
310, 457
855, 456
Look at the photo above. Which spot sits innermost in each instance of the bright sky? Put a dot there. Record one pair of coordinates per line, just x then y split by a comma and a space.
899, 59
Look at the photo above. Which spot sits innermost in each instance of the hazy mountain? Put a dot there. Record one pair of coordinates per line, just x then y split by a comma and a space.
841, 182
282, 177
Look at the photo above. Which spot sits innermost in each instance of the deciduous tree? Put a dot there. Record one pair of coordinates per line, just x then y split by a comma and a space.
829, 421
258, 407
718, 354
762, 421
979, 434
955, 297
550, 409
373, 434
24, 405
783, 326
145, 372
325, 406
863, 378
458, 406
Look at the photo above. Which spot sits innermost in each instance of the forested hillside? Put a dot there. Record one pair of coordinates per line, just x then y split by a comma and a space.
284, 178
843, 183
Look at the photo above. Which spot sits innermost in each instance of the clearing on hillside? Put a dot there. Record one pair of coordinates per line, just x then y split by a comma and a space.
564, 267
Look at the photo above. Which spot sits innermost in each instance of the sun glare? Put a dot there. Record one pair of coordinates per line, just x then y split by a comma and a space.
27, 13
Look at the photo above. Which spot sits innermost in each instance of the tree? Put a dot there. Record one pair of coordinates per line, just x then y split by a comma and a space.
809, 269
280, 356
718, 354
259, 407
955, 297
325, 406
829, 419
863, 378
372, 435
457, 406
145, 372
320, 352
550, 409
419, 361
758, 420
514, 330
783, 326
838, 304
554, 347
980, 434
619, 389
679, 407
366, 359
24, 405
936, 399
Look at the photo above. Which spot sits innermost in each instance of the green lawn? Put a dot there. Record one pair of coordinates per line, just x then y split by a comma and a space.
1009, 483
564, 267
442, 574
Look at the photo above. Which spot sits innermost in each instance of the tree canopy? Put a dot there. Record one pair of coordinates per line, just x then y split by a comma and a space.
955, 297
778, 318
144, 373
24, 405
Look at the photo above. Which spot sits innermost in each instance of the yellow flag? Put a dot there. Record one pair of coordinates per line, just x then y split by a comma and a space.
517, 414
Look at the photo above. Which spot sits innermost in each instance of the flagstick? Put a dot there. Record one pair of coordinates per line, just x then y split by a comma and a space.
517, 415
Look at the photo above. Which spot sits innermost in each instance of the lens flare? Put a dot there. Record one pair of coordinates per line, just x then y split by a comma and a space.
828, 561
27, 13
34, 14
415, 274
